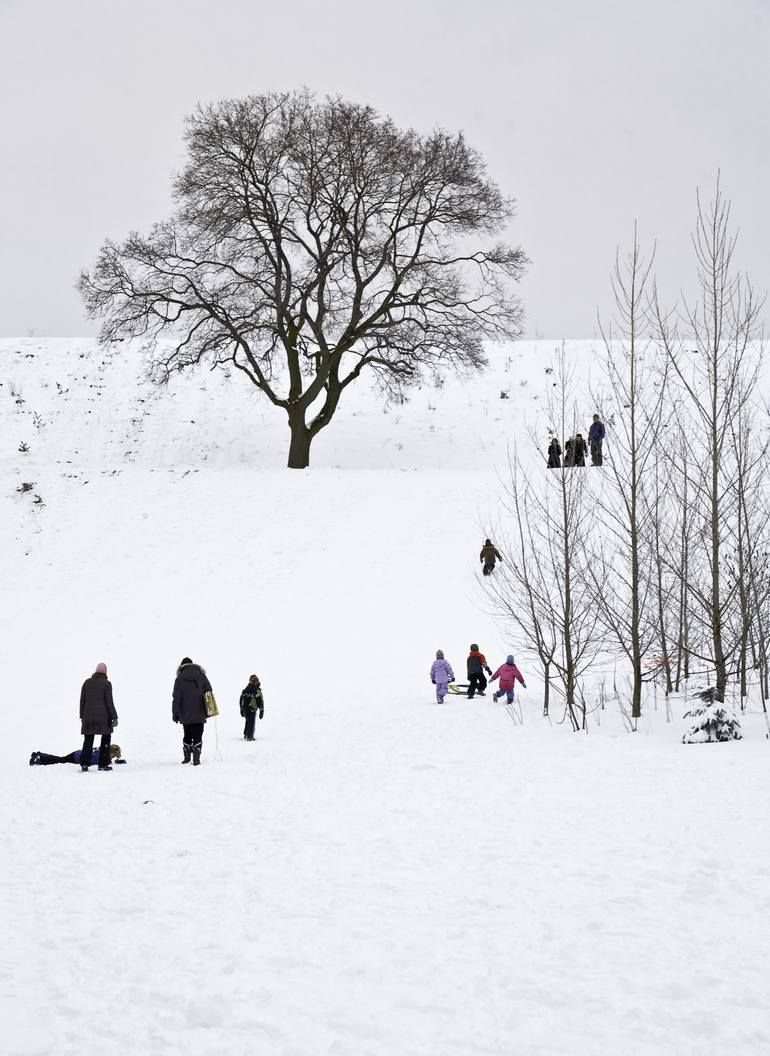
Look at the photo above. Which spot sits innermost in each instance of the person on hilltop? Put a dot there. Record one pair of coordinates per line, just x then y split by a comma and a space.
252, 704
569, 452
44, 759
441, 674
97, 716
579, 451
554, 454
476, 665
509, 674
595, 436
189, 707
488, 556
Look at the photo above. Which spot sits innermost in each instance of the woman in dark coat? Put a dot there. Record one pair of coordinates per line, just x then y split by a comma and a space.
189, 707
554, 454
97, 716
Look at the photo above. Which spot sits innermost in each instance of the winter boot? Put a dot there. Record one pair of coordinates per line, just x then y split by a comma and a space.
105, 768
495, 696
84, 769
196, 754
187, 749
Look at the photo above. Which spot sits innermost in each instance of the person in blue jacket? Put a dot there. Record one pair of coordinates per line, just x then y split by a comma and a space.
44, 759
595, 437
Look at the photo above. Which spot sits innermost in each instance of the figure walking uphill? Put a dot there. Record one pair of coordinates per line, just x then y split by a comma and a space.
252, 705
488, 556
509, 674
97, 716
189, 707
476, 665
441, 674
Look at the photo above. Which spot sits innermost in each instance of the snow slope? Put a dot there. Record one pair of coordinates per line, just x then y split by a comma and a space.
376, 874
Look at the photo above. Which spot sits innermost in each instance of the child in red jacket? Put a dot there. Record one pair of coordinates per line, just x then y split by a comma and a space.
508, 673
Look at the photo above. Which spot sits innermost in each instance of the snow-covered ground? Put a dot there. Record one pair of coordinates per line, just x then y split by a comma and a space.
376, 874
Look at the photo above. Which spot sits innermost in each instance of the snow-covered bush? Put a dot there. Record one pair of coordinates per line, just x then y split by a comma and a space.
713, 721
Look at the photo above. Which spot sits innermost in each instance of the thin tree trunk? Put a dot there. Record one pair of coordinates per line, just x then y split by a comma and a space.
666, 661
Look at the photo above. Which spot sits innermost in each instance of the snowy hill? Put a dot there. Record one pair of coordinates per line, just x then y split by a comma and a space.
376, 874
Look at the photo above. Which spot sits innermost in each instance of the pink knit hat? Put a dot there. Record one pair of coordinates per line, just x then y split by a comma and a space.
101, 669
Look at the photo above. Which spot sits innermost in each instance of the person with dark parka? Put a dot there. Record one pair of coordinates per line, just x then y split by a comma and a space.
97, 716
189, 707
488, 556
554, 454
252, 704
596, 435
579, 451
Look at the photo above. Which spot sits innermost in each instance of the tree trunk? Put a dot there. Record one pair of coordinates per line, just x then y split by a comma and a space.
299, 446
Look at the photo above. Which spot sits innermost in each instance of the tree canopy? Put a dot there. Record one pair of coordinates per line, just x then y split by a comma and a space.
311, 241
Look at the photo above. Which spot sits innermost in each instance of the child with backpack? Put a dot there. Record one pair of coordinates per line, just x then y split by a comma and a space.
441, 674
252, 703
509, 674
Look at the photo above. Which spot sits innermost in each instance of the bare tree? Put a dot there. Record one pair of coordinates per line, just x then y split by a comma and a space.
621, 569
714, 352
541, 584
522, 586
313, 241
684, 541
747, 566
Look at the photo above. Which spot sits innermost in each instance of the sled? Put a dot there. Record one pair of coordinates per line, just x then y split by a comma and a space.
459, 687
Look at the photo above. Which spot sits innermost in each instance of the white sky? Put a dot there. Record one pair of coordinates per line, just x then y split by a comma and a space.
591, 114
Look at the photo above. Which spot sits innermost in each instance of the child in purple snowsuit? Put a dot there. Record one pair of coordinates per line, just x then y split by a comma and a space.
509, 675
441, 674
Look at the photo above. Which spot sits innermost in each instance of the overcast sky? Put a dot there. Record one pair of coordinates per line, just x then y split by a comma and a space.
591, 114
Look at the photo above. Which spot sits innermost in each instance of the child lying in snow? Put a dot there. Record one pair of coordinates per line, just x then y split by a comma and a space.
508, 674
441, 674
43, 759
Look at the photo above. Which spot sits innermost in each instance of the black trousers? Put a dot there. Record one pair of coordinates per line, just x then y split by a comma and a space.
104, 748
44, 759
596, 453
248, 729
476, 682
193, 733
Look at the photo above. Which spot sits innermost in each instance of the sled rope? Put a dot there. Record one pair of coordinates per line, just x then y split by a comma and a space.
217, 753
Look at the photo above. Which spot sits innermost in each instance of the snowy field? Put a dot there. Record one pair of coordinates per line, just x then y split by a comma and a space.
376, 874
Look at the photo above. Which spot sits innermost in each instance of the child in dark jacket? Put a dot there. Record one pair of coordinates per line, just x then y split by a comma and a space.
476, 665
44, 759
252, 703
